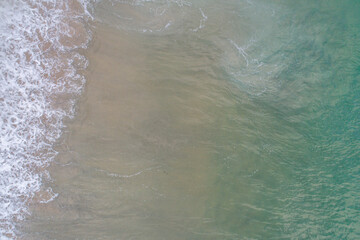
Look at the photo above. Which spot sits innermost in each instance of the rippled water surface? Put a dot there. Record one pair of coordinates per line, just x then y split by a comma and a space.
212, 120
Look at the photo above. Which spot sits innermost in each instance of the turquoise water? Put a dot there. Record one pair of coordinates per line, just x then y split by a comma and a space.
247, 110
292, 165
305, 146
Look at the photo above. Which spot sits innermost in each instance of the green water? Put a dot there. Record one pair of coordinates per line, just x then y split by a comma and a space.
250, 109
289, 155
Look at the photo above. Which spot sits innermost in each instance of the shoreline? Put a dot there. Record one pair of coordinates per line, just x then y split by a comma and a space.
40, 81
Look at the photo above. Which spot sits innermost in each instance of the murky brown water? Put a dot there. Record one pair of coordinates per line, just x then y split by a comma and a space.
136, 162
143, 157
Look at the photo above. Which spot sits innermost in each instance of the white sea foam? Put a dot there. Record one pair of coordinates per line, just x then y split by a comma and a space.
39, 83
202, 21
254, 75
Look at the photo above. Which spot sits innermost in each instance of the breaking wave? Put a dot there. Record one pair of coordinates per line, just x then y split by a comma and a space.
40, 77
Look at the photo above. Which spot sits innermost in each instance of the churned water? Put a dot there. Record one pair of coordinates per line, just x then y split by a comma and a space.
39, 82
210, 119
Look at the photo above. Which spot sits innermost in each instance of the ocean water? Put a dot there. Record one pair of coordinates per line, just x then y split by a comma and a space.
199, 119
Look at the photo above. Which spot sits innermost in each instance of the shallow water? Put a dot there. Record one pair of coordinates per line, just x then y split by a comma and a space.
212, 120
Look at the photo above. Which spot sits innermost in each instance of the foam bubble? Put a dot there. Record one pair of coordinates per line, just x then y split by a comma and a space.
40, 80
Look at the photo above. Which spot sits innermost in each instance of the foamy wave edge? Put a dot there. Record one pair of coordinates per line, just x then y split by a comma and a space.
40, 76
